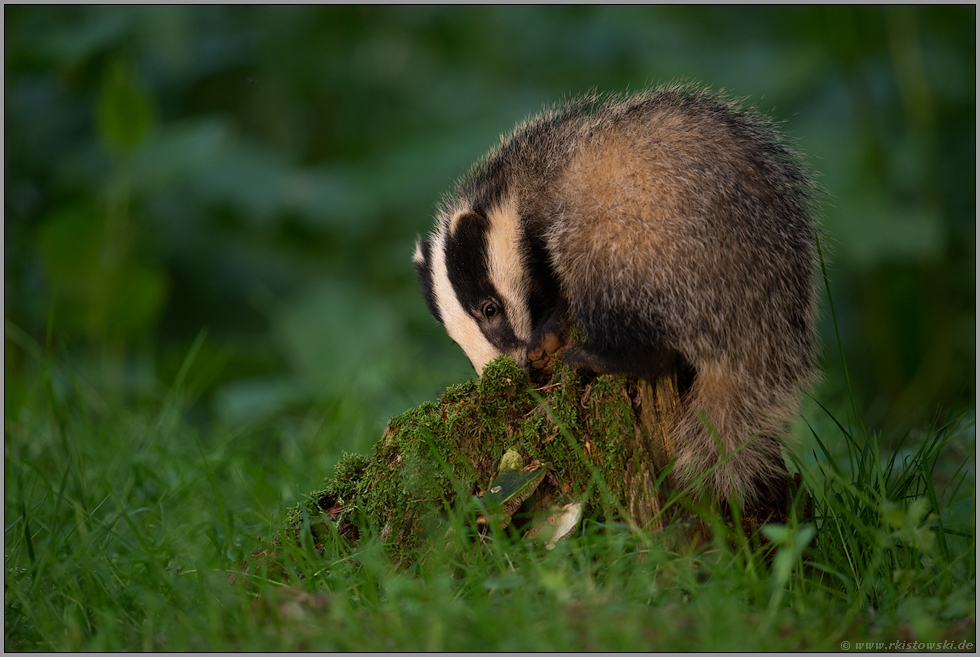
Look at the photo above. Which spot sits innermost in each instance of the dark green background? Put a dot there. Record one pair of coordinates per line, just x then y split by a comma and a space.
256, 177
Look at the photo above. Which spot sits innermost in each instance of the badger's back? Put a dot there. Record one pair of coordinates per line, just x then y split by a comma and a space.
672, 220
684, 220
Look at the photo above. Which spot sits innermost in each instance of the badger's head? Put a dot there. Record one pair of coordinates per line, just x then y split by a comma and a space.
475, 271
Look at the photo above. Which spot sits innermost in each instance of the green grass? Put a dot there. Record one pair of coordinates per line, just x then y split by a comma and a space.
126, 525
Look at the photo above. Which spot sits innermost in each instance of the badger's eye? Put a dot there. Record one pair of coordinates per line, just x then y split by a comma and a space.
490, 309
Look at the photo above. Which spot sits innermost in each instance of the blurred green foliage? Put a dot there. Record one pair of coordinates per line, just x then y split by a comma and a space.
257, 176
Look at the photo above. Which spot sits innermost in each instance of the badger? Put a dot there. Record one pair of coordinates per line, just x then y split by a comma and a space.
664, 231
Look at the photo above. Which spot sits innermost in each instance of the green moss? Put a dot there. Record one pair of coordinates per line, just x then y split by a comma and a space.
348, 474
458, 392
436, 456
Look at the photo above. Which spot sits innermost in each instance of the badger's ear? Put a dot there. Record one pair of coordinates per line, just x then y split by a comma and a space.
422, 260
423, 269
419, 258
467, 220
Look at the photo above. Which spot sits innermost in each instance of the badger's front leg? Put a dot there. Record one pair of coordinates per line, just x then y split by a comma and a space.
548, 340
599, 353
558, 336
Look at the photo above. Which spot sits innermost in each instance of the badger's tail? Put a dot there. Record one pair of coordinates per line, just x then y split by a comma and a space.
732, 420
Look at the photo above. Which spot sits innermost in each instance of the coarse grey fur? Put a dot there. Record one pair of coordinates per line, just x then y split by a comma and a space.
666, 230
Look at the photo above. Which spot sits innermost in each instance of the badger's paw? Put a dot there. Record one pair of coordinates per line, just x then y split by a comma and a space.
548, 341
542, 355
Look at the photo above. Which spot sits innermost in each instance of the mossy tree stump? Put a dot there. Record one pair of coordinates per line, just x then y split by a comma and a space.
605, 441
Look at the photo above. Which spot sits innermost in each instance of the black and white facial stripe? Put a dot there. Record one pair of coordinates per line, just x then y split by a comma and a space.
475, 280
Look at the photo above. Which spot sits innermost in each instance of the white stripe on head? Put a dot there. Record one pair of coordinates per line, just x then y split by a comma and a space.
460, 325
507, 269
